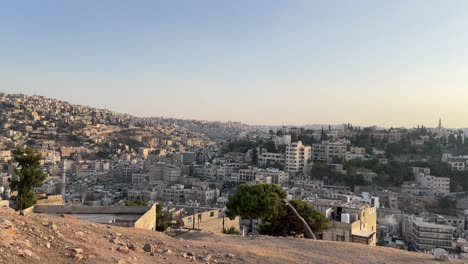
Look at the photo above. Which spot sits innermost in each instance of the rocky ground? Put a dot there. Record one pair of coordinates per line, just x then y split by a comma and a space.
38, 238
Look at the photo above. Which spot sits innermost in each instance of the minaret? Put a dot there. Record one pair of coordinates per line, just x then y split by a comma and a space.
63, 185
440, 124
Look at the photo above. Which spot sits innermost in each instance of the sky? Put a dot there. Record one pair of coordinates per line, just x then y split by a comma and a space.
388, 63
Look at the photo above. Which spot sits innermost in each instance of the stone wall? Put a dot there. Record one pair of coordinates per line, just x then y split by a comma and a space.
51, 200
80, 209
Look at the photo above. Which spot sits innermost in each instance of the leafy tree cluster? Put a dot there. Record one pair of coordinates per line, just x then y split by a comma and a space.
431, 148
256, 201
391, 174
446, 206
267, 203
323, 172
365, 140
287, 224
305, 136
245, 145
239, 146
395, 172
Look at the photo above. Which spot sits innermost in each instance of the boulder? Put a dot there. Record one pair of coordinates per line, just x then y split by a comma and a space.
123, 249
441, 255
148, 248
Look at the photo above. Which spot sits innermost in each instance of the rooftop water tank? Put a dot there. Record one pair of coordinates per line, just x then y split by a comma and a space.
345, 218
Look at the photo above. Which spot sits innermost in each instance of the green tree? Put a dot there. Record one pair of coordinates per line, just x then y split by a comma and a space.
136, 203
287, 224
231, 231
323, 135
29, 175
254, 156
256, 201
446, 205
162, 219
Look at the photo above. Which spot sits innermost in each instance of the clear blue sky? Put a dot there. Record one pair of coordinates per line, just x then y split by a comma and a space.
391, 63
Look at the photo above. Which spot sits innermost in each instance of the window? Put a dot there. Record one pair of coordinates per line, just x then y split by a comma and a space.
211, 214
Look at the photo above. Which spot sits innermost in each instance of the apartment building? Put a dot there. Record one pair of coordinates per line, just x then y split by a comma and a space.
124, 172
284, 140
457, 165
277, 176
253, 174
427, 235
179, 195
355, 153
174, 194
349, 222
204, 196
5, 179
326, 151
392, 136
298, 157
145, 195
162, 171
436, 185
5, 155
269, 158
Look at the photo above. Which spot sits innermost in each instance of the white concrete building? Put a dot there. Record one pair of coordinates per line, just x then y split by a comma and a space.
428, 235
298, 158
457, 165
284, 140
355, 153
436, 185
326, 151
277, 176
269, 158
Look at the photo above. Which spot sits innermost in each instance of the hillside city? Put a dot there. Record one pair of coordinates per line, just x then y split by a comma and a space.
404, 188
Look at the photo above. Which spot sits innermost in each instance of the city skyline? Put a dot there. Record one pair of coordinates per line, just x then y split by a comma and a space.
295, 63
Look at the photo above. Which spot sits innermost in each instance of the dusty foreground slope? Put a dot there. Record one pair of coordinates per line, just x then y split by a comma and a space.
38, 238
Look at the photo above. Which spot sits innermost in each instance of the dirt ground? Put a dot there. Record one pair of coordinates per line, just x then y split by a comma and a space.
39, 238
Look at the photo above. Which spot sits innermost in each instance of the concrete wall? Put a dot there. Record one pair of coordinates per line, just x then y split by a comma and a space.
28, 210
80, 209
336, 229
148, 220
210, 221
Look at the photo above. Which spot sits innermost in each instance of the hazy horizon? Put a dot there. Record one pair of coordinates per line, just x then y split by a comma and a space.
390, 64
325, 125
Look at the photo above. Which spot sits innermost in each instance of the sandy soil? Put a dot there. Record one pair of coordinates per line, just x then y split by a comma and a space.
38, 238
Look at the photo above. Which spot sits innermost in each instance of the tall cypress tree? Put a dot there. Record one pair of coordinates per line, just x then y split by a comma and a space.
323, 135
29, 175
